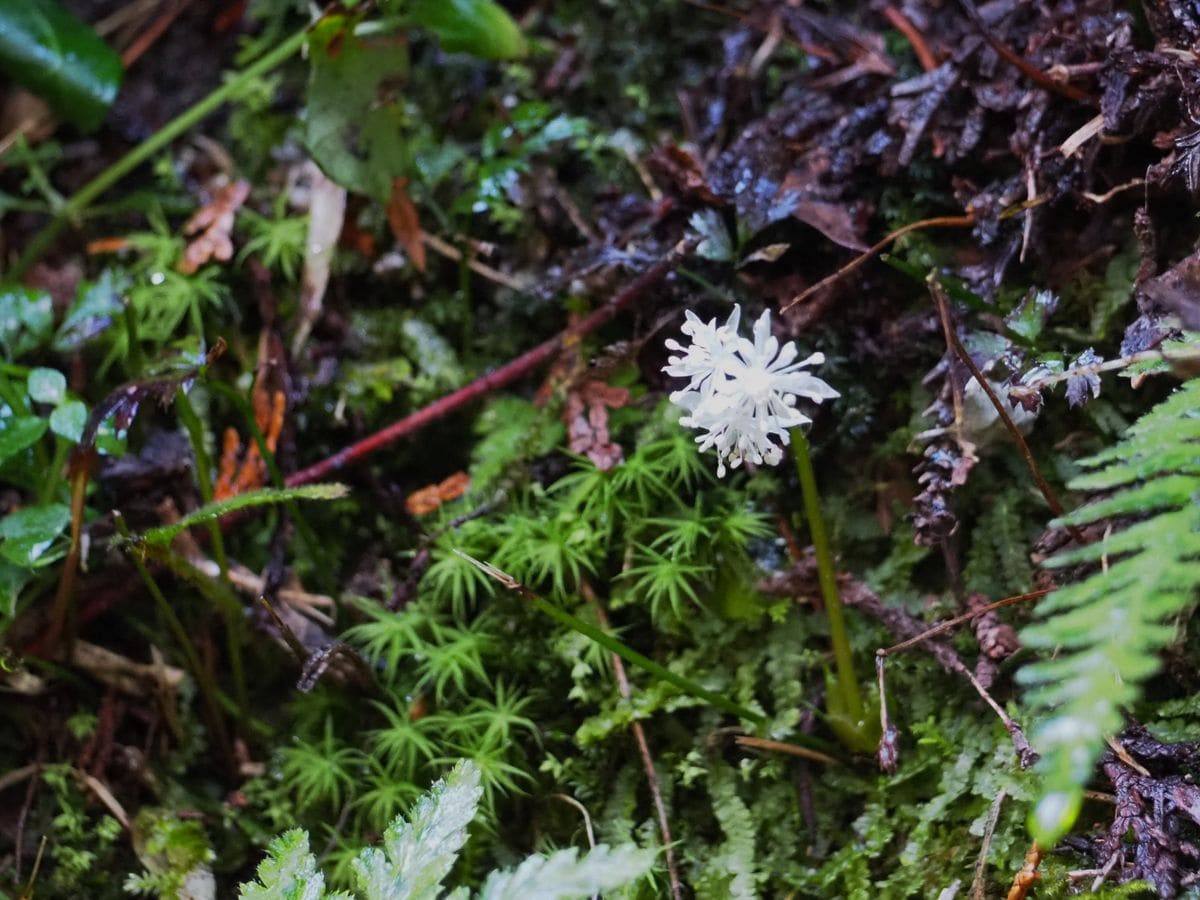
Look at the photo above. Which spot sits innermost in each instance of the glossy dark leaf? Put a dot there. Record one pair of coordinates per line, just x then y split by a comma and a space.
59, 58
27, 534
19, 432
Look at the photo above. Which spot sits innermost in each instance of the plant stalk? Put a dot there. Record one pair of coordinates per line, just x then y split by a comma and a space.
83, 197
849, 700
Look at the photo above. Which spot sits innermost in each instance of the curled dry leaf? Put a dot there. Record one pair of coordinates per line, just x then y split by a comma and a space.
405, 224
326, 212
430, 497
586, 415
211, 225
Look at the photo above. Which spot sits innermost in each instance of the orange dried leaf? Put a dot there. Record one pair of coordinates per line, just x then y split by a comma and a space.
107, 245
454, 487
212, 225
229, 464
430, 497
423, 502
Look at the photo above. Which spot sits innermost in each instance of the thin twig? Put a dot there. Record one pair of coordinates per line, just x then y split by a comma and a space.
587, 819
1032, 72
639, 735
505, 375
958, 620
448, 250
746, 740
859, 261
979, 883
147, 38
1056, 507
901, 23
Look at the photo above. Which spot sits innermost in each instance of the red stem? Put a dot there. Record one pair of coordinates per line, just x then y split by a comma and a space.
505, 375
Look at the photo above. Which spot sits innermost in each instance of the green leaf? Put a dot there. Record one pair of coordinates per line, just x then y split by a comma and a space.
417, 855
479, 27
1101, 637
28, 533
288, 873
166, 533
95, 308
47, 386
564, 874
715, 241
60, 58
26, 317
68, 420
18, 433
12, 579
355, 122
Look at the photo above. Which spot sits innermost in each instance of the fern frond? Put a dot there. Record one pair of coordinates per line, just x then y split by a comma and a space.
289, 872
564, 874
418, 854
1111, 626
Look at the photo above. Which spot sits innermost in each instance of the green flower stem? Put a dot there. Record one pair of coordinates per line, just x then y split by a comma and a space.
209, 692
850, 701
608, 642
83, 198
234, 630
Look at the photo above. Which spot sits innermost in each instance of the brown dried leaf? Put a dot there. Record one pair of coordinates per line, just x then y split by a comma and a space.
405, 224
211, 224
684, 172
586, 415
429, 498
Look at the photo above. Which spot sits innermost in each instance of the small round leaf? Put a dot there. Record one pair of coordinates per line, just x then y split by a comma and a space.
68, 420
47, 386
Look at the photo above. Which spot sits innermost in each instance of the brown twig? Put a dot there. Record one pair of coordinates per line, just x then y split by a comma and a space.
979, 882
147, 38
639, 735
1028, 69
958, 620
506, 374
901, 23
448, 250
859, 261
1052, 501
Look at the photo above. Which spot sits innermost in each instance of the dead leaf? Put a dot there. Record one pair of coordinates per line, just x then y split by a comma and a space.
211, 225
586, 415
326, 210
834, 221
767, 254
676, 165
406, 226
429, 498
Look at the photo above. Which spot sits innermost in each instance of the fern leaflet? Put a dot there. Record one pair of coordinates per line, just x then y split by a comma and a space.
1111, 626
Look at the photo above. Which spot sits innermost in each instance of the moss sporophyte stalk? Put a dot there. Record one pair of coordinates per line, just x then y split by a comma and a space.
742, 395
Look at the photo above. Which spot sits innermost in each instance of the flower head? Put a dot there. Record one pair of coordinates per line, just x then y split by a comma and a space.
742, 393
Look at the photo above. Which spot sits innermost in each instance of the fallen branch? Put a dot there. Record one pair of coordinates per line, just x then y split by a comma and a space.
506, 374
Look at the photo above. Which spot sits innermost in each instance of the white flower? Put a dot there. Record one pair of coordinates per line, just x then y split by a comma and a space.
742, 393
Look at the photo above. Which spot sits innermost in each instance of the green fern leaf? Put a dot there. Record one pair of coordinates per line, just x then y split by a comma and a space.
418, 854
289, 872
564, 874
1110, 627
